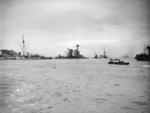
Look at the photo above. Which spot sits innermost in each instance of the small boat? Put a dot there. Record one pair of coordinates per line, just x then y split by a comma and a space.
118, 62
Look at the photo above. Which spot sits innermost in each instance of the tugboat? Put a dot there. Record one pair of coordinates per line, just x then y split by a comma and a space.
118, 62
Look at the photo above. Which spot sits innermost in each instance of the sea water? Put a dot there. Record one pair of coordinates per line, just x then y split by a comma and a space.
74, 86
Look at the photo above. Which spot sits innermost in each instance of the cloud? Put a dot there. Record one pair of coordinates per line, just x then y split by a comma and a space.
88, 22
86, 42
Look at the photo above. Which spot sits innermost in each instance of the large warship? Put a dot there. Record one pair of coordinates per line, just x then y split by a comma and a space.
71, 54
144, 56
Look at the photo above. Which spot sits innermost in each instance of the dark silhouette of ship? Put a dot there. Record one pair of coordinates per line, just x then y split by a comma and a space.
26, 55
71, 54
101, 56
143, 56
23, 55
96, 56
118, 62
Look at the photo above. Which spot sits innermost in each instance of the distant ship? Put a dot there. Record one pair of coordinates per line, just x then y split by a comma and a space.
71, 54
96, 56
23, 49
28, 56
125, 56
101, 56
143, 56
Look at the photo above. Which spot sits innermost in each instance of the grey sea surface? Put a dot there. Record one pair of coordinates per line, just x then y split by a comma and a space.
74, 86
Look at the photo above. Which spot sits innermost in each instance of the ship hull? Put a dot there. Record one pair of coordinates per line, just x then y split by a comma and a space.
117, 63
142, 57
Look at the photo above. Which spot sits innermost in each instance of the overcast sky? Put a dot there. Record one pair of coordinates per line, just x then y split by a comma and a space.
52, 26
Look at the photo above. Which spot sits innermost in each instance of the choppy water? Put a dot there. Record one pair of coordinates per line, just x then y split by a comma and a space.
74, 86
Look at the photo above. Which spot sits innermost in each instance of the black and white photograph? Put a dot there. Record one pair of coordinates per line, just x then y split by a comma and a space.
74, 56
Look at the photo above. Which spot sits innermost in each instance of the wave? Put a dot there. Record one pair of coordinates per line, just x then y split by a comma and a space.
147, 66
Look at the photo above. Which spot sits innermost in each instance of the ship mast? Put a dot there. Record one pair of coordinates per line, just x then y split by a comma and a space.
23, 46
77, 47
144, 49
104, 52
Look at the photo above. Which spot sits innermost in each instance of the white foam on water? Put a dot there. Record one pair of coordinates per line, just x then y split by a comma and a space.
147, 66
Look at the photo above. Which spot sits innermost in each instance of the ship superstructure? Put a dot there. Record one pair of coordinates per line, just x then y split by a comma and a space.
23, 47
104, 55
144, 56
71, 54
